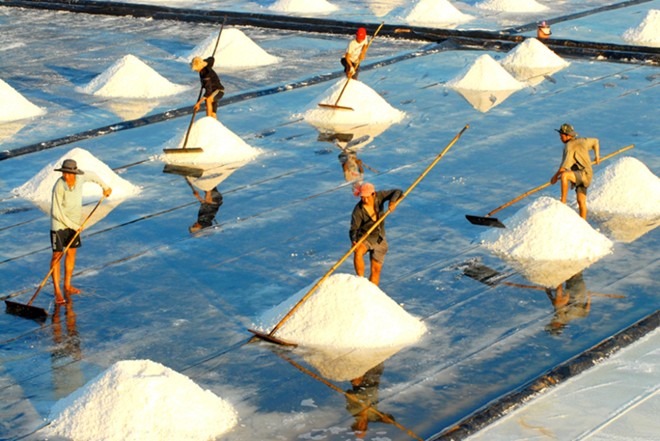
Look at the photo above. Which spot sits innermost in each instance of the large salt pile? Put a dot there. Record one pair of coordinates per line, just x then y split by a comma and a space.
140, 400
219, 144
345, 312
130, 77
381, 8
512, 6
235, 51
368, 108
436, 13
14, 106
648, 31
303, 6
531, 60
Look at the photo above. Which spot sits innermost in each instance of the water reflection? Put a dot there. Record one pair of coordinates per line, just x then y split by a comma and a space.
209, 206
625, 229
570, 301
65, 357
362, 401
484, 100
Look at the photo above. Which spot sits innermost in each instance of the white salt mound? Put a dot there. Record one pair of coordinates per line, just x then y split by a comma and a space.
436, 12
301, 6
14, 106
130, 77
219, 145
485, 74
39, 189
512, 5
647, 33
140, 400
626, 187
368, 107
235, 51
345, 312
547, 230
532, 53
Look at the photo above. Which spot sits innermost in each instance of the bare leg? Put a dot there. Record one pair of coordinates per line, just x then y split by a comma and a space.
566, 177
69, 265
358, 260
209, 107
55, 265
582, 205
374, 277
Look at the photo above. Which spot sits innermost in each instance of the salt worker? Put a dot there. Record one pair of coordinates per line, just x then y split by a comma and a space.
543, 31
355, 52
213, 88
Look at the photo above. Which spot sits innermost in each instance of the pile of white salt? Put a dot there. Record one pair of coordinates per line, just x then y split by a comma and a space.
235, 51
303, 6
14, 106
648, 31
531, 61
436, 13
512, 6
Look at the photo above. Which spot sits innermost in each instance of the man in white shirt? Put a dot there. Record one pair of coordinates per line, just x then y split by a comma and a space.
355, 54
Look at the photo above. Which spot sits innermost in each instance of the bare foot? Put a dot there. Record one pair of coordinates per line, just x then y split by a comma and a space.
71, 290
59, 300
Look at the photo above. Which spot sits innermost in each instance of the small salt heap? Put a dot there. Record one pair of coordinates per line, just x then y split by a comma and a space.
368, 108
140, 400
345, 312
440, 13
219, 144
303, 6
235, 51
648, 31
14, 106
512, 6
531, 60
130, 77
381, 8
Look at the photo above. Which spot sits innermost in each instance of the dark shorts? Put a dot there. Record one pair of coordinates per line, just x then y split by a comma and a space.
60, 239
377, 251
347, 69
579, 182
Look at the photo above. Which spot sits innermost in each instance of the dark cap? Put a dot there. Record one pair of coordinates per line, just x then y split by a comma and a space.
566, 129
70, 166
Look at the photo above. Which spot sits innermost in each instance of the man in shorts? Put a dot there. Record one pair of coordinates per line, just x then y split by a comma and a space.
213, 88
576, 165
66, 214
365, 214
355, 54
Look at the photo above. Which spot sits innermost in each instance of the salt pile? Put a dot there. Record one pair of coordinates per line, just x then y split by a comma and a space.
235, 51
436, 13
345, 312
512, 5
14, 106
532, 59
303, 6
140, 400
219, 145
130, 77
647, 33
381, 8
485, 74
368, 108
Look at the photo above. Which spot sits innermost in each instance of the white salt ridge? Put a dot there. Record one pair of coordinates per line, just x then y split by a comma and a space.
626, 187
368, 107
140, 400
303, 6
39, 189
547, 230
532, 53
219, 144
485, 74
436, 13
14, 106
235, 51
512, 5
648, 31
380, 8
130, 77
345, 312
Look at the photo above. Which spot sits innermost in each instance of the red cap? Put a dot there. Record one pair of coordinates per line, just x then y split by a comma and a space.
361, 34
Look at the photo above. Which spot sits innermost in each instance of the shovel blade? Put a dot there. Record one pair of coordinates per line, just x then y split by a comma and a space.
26, 311
485, 221
270, 338
185, 150
334, 106
182, 170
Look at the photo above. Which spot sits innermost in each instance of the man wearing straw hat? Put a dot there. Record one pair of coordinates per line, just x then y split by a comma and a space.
213, 88
365, 214
575, 165
66, 215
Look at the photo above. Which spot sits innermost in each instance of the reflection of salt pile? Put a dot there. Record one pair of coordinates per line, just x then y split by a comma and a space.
235, 51
303, 6
130, 77
531, 60
14, 106
648, 31
348, 364
512, 5
141, 400
345, 312
436, 13
368, 108
219, 145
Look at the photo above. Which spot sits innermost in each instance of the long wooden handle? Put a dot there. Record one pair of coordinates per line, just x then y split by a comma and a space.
541, 187
363, 238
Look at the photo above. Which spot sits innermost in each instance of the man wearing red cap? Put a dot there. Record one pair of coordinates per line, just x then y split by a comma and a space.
355, 54
365, 214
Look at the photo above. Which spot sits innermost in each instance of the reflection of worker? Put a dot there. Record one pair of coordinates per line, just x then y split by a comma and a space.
570, 302
352, 167
210, 204
66, 214
67, 374
365, 214
543, 31
213, 88
576, 165
355, 53
362, 401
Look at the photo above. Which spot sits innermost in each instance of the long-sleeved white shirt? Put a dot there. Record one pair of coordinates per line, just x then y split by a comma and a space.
66, 205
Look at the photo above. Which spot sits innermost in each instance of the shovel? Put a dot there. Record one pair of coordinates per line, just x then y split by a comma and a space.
489, 221
33, 312
270, 337
336, 104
